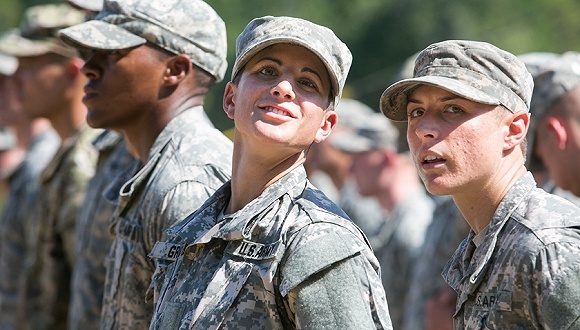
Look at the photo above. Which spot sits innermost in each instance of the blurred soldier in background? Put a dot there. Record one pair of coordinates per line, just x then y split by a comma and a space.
389, 176
50, 85
554, 135
35, 143
328, 168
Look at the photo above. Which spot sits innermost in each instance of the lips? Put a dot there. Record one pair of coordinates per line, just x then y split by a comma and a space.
430, 161
89, 93
278, 111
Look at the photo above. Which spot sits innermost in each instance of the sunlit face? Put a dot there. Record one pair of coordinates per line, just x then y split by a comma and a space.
281, 98
123, 85
456, 143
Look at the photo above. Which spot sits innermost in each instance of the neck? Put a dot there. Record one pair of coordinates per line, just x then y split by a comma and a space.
479, 204
28, 131
253, 173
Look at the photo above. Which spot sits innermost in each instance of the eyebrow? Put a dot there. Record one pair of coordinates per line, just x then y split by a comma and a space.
443, 99
277, 61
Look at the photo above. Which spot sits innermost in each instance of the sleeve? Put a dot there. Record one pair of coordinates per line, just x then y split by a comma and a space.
560, 307
330, 283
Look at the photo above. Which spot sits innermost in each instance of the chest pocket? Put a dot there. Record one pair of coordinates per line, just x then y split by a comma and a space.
234, 285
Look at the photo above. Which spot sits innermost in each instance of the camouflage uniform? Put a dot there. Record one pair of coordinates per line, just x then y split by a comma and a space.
20, 212
447, 229
288, 259
92, 236
526, 273
62, 187
398, 243
398, 239
189, 160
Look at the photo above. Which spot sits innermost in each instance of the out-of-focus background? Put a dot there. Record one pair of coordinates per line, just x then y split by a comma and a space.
382, 34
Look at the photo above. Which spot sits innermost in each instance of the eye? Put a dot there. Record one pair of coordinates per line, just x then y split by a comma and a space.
414, 113
453, 109
308, 83
267, 71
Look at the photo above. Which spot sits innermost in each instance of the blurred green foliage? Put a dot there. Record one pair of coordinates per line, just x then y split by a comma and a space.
382, 34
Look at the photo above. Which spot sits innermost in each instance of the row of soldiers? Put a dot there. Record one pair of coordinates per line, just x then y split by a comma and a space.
116, 156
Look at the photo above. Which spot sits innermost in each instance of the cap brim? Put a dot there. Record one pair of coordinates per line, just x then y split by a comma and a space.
100, 35
393, 102
15, 45
251, 52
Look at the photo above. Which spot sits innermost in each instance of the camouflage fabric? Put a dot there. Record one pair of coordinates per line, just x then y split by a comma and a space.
374, 133
92, 5
20, 214
398, 245
446, 231
526, 273
268, 30
554, 80
8, 64
92, 236
185, 27
189, 160
7, 142
62, 187
37, 34
474, 70
364, 211
535, 61
289, 259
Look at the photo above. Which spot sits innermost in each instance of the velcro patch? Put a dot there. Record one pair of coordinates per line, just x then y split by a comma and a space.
252, 250
166, 251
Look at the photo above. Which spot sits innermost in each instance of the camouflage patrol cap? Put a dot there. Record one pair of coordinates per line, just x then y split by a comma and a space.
268, 30
189, 27
351, 114
373, 132
536, 61
8, 64
37, 34
477, 71
92, 5
558, 77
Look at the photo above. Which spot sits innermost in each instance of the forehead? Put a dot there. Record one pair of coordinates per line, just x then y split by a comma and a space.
291, 53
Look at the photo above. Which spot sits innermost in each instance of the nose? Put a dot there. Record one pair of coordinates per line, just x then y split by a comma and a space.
283, 89
423, 128
90, 69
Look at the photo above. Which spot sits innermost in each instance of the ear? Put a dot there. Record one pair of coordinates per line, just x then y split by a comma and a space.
517, 128
328, 122
228, 99
557, 130
178, 67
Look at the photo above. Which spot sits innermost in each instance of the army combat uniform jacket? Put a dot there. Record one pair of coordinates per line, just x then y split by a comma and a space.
188, 162
62, 189
21, 213
92, 235
526, 272
288, 259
